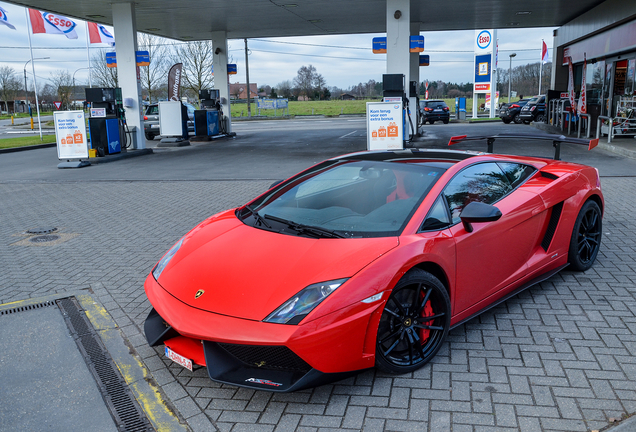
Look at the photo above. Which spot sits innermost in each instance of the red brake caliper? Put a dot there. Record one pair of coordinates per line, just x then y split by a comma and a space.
428, 311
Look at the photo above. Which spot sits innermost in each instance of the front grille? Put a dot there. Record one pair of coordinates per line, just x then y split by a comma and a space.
267, 357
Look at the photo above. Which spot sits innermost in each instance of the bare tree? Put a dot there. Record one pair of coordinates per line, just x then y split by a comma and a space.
284, 89
9, 85
63, 84
319, 82
103, 76
197, 59
153, 77
305, 80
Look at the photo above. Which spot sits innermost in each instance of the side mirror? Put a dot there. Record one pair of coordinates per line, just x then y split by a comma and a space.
478, 212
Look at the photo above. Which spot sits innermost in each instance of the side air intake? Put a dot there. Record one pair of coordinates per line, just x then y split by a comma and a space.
555, 216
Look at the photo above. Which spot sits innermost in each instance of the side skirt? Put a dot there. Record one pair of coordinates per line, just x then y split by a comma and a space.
536, 280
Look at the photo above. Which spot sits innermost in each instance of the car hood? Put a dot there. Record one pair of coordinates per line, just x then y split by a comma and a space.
247, 272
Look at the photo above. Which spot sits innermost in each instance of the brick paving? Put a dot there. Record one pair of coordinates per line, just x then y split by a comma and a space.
558, 357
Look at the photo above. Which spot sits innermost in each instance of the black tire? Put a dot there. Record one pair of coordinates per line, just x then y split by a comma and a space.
405, 342
517, 119
431, 121
540, 118
526, 122
445, 121
586, 237
150, 136
506, 121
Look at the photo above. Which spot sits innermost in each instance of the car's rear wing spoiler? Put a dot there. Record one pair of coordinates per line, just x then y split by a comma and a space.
556, 140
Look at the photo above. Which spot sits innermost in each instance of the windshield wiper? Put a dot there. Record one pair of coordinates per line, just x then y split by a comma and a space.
307, 229
259, 219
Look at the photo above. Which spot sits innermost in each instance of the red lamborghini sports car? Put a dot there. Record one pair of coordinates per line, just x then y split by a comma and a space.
367, 259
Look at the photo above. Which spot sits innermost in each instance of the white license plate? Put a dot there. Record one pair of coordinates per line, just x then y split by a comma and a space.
178, 358
154, 126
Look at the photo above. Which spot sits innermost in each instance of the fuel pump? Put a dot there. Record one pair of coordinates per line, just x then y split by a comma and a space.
107, 116
208, 120
393, 86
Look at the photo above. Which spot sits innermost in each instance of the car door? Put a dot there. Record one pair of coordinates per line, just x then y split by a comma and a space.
494, 254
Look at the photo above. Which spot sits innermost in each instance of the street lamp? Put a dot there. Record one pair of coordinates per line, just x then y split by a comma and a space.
509, 74
74, 78
26, 97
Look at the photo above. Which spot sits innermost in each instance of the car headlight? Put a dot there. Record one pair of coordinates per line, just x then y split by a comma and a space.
163, 262
297, 307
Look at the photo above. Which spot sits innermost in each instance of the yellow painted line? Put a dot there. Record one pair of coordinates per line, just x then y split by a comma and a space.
144, 389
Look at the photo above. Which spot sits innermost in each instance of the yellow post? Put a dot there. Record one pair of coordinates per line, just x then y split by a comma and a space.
31, 123
11, 120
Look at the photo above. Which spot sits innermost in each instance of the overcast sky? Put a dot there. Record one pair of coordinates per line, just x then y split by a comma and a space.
342, 60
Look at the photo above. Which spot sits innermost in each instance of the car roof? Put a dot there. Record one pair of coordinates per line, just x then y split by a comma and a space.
414, 155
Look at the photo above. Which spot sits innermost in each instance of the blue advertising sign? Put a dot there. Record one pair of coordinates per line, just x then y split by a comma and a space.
111, 59
416, 44
143, 58
272, 103
425, 60
482, 68
379, 45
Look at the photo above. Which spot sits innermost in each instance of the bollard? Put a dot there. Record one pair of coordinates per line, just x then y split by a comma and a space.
11, 120
341, 111
31, 123
312, 111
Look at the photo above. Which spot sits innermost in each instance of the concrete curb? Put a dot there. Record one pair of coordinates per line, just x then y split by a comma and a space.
628, 425
120, 156
25, 148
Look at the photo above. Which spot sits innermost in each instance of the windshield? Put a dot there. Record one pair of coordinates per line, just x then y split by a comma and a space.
533, 101
345, 199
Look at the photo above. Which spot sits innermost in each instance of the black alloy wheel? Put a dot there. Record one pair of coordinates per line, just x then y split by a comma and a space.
517, 119
586, 237
414, 323
149, 136
540, 118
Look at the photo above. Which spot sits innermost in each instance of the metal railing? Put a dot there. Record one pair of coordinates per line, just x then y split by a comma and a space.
587, 124
610, 130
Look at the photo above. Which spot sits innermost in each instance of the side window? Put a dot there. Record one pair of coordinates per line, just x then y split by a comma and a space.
437, 218
516, 173
484, 182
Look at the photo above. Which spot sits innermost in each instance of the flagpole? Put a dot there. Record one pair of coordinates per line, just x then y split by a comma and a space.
35, 84
541, 67
88, 56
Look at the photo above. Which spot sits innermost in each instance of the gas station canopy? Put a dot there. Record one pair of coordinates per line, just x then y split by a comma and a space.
197, 19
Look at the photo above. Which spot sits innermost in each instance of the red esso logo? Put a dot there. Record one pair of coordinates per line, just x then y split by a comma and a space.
483, 39
60, 22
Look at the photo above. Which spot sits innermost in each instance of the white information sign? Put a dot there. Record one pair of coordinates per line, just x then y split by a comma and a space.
385, 126
70, 134
170, 118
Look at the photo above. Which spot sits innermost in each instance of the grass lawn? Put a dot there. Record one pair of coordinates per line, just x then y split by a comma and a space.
25, 115
26, 141
331, 107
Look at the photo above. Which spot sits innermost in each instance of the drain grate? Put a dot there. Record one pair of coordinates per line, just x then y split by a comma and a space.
44, 238
45, 230
26, 308
121, 403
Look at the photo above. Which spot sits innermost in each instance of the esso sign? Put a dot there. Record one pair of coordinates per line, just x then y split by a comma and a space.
61, 22
483, 39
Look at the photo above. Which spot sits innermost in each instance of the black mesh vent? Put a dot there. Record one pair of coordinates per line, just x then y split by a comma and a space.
26, 308
268, 357
552, 226
549, 175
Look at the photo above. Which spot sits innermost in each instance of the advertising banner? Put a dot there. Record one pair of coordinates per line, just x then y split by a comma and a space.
70, 135
385, 126
484, 47
174, 82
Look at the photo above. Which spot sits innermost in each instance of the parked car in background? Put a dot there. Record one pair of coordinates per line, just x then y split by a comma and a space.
151, 120
510, 112
434, 110
534, 110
